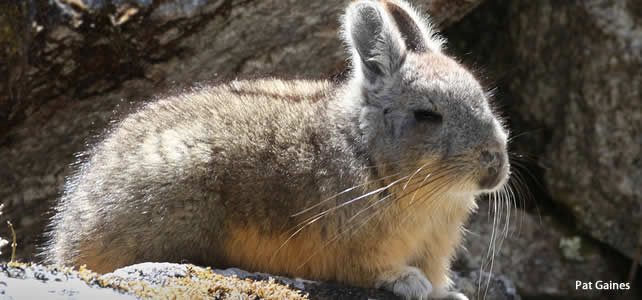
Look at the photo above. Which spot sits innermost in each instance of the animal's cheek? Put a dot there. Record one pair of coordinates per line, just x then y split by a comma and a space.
371, 122
405, 126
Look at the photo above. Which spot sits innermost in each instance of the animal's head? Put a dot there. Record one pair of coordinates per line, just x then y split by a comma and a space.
418, 107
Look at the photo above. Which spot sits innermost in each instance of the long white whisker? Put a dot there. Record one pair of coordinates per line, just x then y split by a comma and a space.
413, 175
325, 212
336, 236
341, 193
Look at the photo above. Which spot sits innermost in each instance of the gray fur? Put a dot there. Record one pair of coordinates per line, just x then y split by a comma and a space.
167, 182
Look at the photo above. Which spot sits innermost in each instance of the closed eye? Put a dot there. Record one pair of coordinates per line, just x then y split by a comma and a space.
424, 115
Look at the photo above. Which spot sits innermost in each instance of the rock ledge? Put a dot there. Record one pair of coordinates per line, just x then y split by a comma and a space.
171, 281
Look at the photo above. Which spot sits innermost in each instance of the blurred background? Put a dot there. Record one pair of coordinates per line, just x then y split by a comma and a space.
565, 74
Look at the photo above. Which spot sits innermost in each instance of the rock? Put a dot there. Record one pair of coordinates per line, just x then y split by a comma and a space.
499, 287
596, 127
40, 282
483, 285
67, 68
166, 280
568, 74
542, 258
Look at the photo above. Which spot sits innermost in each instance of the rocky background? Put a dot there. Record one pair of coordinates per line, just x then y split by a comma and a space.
567, 76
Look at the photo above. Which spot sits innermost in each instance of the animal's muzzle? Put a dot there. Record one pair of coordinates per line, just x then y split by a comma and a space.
493, 168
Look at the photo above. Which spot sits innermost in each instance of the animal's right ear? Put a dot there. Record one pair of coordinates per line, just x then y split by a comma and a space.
413, 27
377, 48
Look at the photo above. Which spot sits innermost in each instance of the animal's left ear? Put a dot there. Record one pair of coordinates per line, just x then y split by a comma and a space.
377, 47
415, 30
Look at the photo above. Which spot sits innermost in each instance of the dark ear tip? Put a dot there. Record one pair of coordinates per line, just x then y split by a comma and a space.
366, 23
408, 27
365, 11
377, 45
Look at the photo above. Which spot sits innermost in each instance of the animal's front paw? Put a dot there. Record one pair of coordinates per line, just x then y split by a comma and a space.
406, 282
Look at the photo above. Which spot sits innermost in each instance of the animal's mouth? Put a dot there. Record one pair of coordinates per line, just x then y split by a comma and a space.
468, 174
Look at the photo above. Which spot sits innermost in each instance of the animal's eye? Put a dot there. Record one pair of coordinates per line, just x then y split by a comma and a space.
424, 115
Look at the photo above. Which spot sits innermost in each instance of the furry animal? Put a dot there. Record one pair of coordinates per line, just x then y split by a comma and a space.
366, 182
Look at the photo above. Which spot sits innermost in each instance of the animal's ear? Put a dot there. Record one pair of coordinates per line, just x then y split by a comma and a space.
415, 30
377, 48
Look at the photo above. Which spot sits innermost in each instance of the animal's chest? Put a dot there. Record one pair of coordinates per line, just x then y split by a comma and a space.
415, 230
400, 236
401, 242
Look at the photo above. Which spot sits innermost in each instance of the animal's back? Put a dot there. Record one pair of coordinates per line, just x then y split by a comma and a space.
175, 173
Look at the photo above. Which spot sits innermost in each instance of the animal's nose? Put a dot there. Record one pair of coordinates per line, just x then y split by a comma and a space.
492, 168
488, 158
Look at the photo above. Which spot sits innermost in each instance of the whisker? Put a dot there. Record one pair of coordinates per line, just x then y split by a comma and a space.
491, 246
357, 199
515, 136
339, 234
509, 190
436, 186
343, 192
372, 215
415, 173
309, 221
521, 166
453, 167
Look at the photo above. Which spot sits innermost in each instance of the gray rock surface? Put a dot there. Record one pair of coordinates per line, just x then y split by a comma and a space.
569, 78
542, 258
153, 280
39, 282
593, 110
